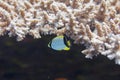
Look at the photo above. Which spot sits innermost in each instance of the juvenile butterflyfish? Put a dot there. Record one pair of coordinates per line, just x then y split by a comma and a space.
60, 43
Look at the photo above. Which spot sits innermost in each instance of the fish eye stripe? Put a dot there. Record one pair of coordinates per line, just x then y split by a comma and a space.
65, 41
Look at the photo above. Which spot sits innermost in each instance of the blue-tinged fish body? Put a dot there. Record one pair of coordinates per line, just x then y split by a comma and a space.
59, 43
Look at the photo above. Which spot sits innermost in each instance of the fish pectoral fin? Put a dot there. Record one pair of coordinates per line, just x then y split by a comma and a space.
66, 48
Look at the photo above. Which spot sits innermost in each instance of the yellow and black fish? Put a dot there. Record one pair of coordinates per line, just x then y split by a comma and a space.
60, 43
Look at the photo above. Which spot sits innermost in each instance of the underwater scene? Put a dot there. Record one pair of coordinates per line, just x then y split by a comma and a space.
59, 39
32, 59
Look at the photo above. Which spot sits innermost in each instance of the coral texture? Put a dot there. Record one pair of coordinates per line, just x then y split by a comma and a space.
94, 23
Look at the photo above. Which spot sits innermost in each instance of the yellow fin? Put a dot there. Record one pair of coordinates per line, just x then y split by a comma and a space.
59, 37
66, 48
68, 42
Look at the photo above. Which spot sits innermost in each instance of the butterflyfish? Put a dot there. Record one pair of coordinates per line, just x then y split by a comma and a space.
60, 43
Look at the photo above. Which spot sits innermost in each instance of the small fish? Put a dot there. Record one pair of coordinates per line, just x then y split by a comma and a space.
60, 43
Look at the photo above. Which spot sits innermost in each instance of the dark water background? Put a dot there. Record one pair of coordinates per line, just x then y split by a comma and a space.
31, 59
